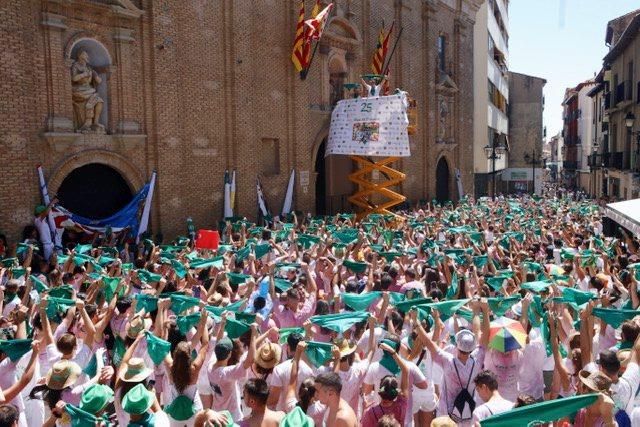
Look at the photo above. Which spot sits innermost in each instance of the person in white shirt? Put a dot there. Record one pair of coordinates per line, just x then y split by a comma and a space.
487, 388
42, 224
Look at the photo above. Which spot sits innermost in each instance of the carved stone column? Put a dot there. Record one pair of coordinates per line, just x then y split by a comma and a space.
125, 93
60, 113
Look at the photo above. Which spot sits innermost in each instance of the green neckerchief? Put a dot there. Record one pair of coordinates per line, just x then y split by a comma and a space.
536, 311
149, 420
62, 291
533, 266
83, 249
405, 306
360, 302
480, 260
148, 302
261, 250
577, 296
387, 360
499, 306
445, 308
541, 413
235, 307
237, 278
235, 328
247, 318
282, 285
285, 332
80, 418
243, 253
308, 240
182, 408
615, 317
38, 284
127, 267
537, 286
339, 322
57, 306
180, 303
287, 265
355, 266
185, 323
496, 282
217, 262
318, 353
179, 268
390, 256
118, 350
147, 276
396, 297
110, 286
15, 349
105, 260
452, 291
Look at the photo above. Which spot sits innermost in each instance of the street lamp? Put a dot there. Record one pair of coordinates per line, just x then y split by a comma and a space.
494, 152
533, 160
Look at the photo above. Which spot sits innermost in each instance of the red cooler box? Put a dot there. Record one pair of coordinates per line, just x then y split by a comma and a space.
207, 239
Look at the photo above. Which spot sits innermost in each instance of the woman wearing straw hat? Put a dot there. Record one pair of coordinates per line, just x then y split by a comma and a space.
132, 372
58, 390
600, 414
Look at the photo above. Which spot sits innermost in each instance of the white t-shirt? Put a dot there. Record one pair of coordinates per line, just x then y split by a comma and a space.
280, 378
363, 343
223, 383
43, 230
531, 379
506, 366
492, 407
624, 391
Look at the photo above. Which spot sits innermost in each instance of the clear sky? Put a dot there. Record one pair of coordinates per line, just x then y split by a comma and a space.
561, 41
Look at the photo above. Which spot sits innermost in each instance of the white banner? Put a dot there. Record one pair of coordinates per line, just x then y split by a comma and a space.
375, 126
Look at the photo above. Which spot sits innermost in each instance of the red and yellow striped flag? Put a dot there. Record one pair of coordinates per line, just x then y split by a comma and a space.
316, 9
301, 49
380, 54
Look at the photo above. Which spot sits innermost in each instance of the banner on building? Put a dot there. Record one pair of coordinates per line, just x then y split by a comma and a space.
375, 126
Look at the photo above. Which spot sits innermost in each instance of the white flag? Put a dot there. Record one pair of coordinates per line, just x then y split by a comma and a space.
144, 221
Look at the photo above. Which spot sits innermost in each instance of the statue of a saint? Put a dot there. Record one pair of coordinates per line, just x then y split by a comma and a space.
87, 104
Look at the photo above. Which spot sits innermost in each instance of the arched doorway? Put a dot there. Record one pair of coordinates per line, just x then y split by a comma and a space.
442, 181
94, 191
321, 180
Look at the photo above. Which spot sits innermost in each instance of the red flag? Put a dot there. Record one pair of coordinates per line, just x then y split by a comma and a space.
315, 26
316, 9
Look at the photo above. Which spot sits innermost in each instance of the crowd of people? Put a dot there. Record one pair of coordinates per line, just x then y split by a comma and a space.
515, 311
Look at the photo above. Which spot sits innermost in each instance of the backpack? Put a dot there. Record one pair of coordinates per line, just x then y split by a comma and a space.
464, 403
622, 418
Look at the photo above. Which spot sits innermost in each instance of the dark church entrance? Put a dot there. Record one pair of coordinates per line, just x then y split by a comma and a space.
442, 181
94, 191
321, 180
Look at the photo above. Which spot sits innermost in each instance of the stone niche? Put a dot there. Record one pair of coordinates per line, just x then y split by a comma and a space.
96, 110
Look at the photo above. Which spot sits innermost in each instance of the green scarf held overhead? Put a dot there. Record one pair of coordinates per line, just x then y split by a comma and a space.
360, 302
235, 307
387, 360
148, 277
17, 272
615, 317
217, 262
62, 291
545, 334
355, 266
452, 290
148, 302
179, 268
118, 351
577, 296
105, 260
236, 328
110, 286
476, 237
261, 250
80, 418
533, 266
247, 318
445, 308
390, 256
57, 306
339, 322
346, 235
127, 267
496, 282
308, 240
215, 312
282, 285
536, 311
388, 236
237, 278
406, 306
318, 353
480, 261
243, 253
537, 286
434, 260
180, 303
83, 249
287, 266
185, 323
396, 297
285, 332
541, 413
499, 306
566, 254
38, 284
587, 258
24, 247
15, 349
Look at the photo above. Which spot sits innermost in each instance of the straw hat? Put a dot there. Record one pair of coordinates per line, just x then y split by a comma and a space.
595, 381
136, 325
63, 374
268, 355
345, 346
136, 371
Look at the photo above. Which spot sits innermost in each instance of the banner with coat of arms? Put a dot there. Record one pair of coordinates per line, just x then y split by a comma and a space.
375, 126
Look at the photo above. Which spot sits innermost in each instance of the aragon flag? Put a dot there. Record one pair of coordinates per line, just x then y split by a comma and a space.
301, 49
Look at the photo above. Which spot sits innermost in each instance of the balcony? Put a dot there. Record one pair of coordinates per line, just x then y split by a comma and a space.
619, 93
607, 100
595, 160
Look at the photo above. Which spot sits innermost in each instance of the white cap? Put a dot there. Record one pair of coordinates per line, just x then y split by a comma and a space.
466, 341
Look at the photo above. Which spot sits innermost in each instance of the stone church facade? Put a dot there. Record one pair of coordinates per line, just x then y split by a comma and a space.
190, 88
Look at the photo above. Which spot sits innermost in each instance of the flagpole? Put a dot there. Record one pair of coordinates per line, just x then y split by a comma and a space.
144, 221
303, 73
386, 69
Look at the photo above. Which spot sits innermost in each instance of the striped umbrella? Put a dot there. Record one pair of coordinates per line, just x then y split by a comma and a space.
506, 335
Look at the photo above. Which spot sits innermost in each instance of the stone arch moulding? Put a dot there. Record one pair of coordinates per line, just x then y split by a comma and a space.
84, 36
128, 170
317, 142
343, 30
